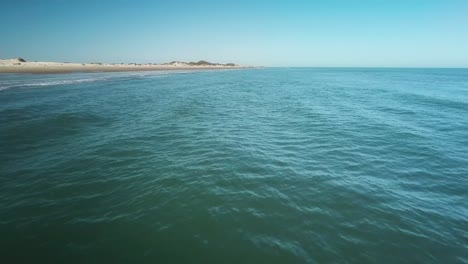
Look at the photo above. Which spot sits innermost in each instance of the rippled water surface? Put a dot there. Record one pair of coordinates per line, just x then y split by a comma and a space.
301, 165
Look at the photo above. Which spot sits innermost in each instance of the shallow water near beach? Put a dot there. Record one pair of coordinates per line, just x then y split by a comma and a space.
275, 165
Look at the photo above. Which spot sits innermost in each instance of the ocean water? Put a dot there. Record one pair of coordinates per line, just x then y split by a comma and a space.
275, 165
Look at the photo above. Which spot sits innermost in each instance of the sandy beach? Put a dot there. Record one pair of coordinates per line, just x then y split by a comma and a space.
22, 66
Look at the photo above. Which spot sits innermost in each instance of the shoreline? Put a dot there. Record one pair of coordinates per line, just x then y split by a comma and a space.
17, 66
61, 70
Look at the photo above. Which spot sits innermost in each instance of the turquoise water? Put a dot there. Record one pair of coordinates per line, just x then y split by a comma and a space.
281, 165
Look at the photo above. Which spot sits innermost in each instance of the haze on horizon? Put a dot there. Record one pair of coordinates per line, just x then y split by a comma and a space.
366, 33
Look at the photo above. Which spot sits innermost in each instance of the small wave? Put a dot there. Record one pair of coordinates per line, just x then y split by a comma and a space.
31, 83
51, 83
84, 79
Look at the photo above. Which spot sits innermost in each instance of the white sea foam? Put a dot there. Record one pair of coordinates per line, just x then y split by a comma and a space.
48, 83
74, 79
10, 82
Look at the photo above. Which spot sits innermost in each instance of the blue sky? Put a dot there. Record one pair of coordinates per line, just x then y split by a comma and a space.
392, 33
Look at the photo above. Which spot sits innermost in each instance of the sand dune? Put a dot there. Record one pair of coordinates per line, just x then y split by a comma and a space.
20, 65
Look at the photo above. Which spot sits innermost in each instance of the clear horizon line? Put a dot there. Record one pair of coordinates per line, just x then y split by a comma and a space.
388, 67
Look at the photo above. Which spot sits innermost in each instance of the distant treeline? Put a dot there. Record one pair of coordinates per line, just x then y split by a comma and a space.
202, 63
